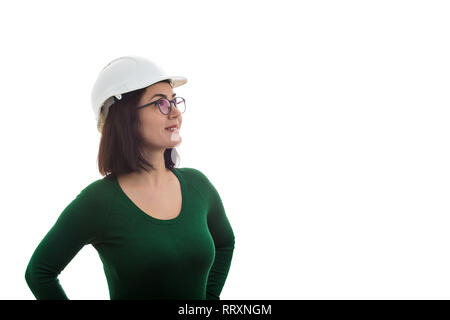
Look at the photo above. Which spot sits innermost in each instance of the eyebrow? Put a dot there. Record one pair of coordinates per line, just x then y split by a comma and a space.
162, 95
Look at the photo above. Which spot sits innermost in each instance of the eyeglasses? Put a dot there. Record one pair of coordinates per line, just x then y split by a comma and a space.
165, 106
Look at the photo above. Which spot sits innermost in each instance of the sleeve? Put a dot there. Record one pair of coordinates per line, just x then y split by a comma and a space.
80, 223
224, 240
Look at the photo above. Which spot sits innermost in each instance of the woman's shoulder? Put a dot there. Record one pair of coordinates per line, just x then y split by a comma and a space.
89, 209
99, 190
198, 179
191, 172
193, 175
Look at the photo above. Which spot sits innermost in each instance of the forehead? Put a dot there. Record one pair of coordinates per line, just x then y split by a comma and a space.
162, 87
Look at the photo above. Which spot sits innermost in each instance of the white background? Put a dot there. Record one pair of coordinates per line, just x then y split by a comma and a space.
324, 125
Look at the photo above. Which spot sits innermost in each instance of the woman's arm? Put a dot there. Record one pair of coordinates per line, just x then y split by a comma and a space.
81, 222
224, 240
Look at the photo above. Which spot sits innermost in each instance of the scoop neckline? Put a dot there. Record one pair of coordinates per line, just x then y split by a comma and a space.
146, 215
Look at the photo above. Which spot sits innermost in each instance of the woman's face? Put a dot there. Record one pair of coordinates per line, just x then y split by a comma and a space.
154, 123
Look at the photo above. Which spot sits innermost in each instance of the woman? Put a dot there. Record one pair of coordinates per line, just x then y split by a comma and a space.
161, 232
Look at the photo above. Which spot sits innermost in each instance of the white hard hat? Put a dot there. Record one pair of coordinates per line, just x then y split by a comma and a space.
122, 75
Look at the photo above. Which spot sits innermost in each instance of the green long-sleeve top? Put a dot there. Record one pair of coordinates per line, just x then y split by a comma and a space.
187, 257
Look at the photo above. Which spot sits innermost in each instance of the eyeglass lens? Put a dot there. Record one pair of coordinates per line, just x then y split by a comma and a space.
164, 105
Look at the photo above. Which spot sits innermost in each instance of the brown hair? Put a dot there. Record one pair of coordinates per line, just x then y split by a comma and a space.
121, 143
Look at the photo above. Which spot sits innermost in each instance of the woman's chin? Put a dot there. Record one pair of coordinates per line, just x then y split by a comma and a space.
175, 137
175, 143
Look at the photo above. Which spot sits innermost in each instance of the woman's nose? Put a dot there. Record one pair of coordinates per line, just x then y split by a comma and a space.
174, 111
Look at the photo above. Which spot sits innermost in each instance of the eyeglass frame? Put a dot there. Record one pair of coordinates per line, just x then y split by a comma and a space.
170, 104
